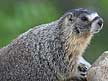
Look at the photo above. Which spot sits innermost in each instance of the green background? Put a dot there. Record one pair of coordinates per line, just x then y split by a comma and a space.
17, 16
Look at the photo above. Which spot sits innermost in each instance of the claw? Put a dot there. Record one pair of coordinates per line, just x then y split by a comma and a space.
82, 68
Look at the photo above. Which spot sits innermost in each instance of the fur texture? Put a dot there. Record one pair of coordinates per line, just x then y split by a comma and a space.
49, 52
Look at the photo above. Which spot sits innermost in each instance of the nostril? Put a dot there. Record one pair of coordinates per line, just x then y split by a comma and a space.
100, 23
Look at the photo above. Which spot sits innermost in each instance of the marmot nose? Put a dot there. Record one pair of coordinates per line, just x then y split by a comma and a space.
100, 22
96, 25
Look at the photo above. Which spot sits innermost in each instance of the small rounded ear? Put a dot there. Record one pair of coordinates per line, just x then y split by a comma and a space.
67, 19
68, 15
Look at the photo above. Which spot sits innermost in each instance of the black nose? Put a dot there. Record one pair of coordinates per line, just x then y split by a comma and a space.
100, 22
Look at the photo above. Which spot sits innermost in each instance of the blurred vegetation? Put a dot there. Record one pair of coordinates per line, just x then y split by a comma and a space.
17, 16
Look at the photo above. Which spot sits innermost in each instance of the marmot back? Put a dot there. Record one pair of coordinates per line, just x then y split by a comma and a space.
50, 52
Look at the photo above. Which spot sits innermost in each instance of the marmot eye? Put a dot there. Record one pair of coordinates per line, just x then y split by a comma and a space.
84, 18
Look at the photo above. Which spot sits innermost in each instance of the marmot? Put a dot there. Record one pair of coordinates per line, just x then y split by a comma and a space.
50, 52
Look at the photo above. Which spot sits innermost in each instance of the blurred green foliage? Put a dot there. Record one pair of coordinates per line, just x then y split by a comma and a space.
17, 16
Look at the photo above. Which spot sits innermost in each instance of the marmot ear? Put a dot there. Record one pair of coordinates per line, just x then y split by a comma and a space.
68, 15
67, 18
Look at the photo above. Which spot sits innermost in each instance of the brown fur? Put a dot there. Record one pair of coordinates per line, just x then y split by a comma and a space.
75, 46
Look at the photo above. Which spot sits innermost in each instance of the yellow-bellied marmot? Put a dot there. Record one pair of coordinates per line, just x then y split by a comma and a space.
50, 52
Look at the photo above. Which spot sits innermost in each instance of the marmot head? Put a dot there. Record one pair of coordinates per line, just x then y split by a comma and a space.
81, 20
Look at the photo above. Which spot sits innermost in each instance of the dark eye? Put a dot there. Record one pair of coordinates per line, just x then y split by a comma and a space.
84, 18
